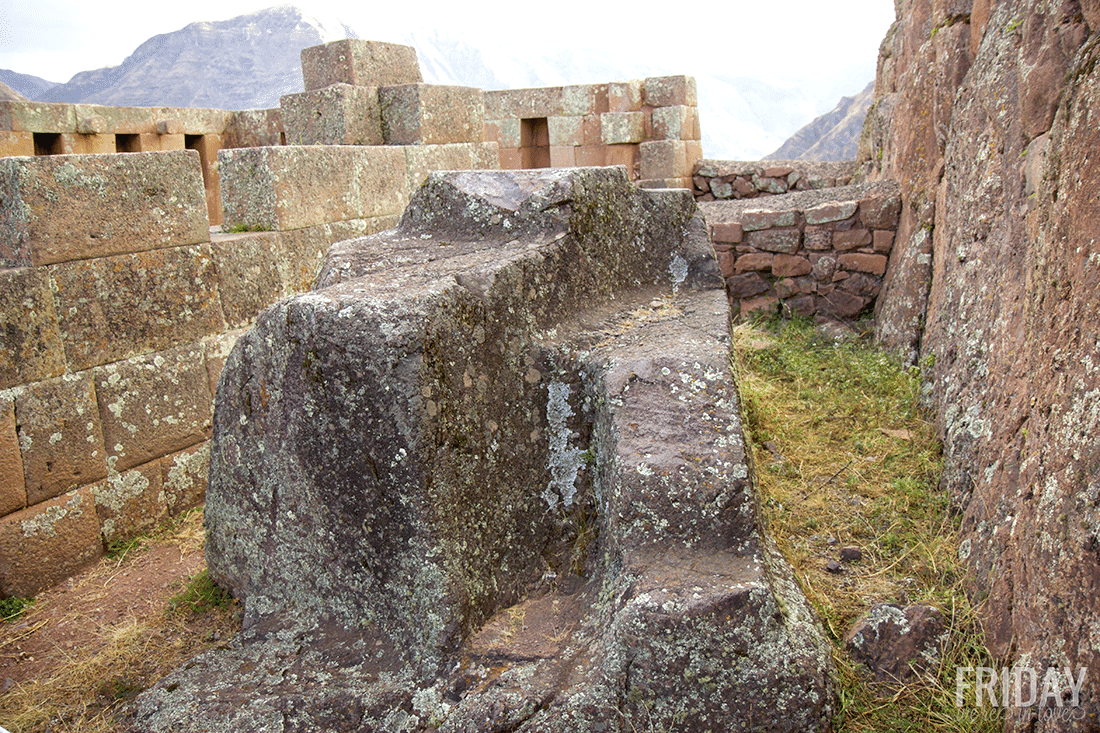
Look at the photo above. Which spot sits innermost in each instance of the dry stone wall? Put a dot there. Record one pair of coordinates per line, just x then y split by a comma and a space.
813, 253
717, 180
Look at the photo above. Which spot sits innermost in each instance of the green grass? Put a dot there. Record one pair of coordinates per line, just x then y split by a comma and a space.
13, 608
200, 596
852, 459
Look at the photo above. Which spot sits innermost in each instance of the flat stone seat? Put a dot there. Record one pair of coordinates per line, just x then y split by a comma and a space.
516, 405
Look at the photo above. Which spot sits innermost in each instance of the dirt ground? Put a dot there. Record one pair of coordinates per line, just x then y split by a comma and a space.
78, 657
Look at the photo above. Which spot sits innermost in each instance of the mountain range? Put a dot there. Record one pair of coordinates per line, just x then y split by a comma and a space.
248, 62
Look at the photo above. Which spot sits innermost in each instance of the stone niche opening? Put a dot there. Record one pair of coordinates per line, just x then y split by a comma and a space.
534, 142
47, 143
127, 143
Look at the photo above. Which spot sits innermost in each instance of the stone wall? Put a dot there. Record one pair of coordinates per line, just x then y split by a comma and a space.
650, 126
716, 180
817, 252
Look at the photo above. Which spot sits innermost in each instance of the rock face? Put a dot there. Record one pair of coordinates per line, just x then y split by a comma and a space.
490, 476
986, 116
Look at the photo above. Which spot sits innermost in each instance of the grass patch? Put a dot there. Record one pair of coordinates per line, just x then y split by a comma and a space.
13, 608
201, 595
845, 455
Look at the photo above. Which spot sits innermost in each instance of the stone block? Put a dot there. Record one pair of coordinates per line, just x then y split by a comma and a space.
584, 99
668, 91
844, 304
727, 232
778, 171
856, 261
783, 241
16, 143
154, 405
29, 334
420, 160
431, 114
747, 285
818, 238
766, 184
130, 502
184, 477
784, 265
194, 120
91, 124
170, 126
294, 187
13, 488
248, 274
664, 159
254, 128
624, 155
359, 63
755, 261
302, 251
48, 542
523, 103
851, 239
624, 96
511, 159
60, 436
674, 123
880, 211
171, 142
883, 241
340, 114
216, 350
112, 308
589, 155
505, 132
207, 146
591, 131
565, 131
37, 117
617, 128
762, 306
755, 219
653, 183
824, 265
831, 211
487, 156
562, 156
76, 207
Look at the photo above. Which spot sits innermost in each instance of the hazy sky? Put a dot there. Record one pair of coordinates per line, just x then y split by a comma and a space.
55, 39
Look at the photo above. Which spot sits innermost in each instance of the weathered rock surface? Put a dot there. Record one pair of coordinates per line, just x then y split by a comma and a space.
896, 644
986, 116
490, 476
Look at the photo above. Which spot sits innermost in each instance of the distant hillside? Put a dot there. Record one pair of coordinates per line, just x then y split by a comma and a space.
31, 87
242, 63
833, 136
7, 94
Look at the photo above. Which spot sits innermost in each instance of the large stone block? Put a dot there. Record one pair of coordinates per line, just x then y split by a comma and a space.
666, 91
584, 99
115, 120
249, 279
13, 488
431, 114
62, 208
420, 160
340, 114
154, 405
674, 123
37, 117
46, 543
664, 159
565, 131
130, 502
624, 96
359, 63
524, 103
617, 128
295, 186
60, 436
112, 308
254, 128
302, 251
16, 143
184, 477
504, 132
30, 340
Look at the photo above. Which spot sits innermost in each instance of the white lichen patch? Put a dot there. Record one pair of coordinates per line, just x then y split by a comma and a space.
564, 460
46, 522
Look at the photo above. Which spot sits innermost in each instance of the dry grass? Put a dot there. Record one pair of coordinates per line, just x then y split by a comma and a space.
845, 456
93, 687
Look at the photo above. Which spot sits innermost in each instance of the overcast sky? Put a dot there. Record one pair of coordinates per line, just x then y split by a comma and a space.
55, 39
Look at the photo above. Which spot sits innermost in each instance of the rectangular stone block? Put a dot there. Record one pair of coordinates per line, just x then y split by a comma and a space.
617, 128
523, 103
883, 241
754, 262
591, 131
154, 405
624, 96
830, 211
31, 339
487, 156
859, 262
565, 131
16, 143
184, 477
79, 144
674, 123
562, 156
248, 274
207, 146
505, 132
130, 502
336, 115
664, 159
851, 239
818, 238
66, 208
420, 160
13, 488
194, 120
359, 63
43, 544
511, 159
431, 114
37, 117
731, 232
294, 187
624, 155
666, 91
112, 308
784, 241
589, 156
171, 142
302, 251
584, 99
880, 211
60, 437
115, 120
216, 349
754, 219
254, 128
